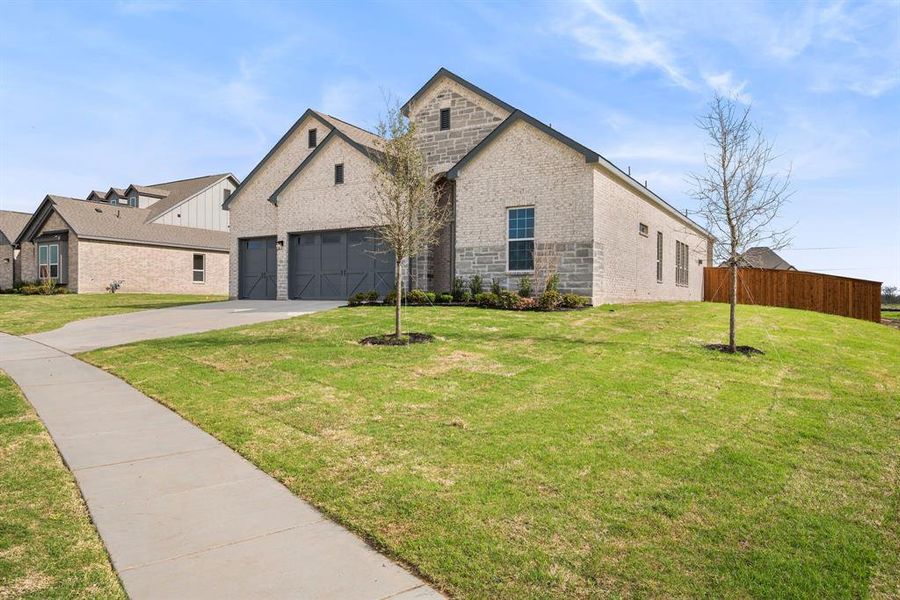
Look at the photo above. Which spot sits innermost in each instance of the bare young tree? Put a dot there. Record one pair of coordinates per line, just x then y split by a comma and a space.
405, 200
738, 194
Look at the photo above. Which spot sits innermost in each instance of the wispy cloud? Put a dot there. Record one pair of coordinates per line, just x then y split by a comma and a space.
725, 85
606, 36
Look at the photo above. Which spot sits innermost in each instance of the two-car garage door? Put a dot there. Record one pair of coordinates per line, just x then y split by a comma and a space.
325, 265
334, 265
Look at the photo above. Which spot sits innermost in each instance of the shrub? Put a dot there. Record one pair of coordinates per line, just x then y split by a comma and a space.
466, 297
46, 287
444, 298
363, 298
418, 296
487, 300
526, 304
391, 297
458, 289
552, 283
550, 300
114, 285
508, 300
476, 285
525, 287
573, 301
495, 286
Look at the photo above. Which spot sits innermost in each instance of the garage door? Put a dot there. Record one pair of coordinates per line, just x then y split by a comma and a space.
257, 268
334, 265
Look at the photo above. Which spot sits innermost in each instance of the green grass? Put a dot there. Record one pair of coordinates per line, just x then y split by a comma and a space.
48, 546
599, 453
20, 315
891, 313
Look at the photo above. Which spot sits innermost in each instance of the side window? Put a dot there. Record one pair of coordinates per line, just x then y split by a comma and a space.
225, 194
681, 263
659, 257
520, 239
199, 268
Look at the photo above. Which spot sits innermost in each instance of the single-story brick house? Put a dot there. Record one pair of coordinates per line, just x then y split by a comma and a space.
525, 199
11, 225
165, 238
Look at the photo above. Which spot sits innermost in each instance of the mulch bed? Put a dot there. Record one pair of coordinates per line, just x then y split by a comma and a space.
745, 350
389, 339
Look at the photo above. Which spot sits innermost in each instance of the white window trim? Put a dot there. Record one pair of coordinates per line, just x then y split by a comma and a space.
508, 240
201, 271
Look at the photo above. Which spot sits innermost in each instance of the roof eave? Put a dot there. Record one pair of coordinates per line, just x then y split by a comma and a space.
442, 72
307, 113
335, 133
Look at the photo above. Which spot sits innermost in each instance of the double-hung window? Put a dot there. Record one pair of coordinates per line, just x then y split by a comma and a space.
48, 261
199, 268
520, 236
681, 263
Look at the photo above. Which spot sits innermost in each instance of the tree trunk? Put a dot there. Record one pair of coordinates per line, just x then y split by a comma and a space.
399, 300
732, 300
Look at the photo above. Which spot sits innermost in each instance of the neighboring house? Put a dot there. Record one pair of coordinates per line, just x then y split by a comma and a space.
11, 225
165, 238
762, 257
525, 200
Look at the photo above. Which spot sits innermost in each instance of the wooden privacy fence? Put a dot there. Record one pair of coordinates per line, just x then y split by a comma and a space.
857, 298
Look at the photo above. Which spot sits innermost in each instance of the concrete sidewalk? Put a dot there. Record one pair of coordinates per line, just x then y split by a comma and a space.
181, 514
113, 330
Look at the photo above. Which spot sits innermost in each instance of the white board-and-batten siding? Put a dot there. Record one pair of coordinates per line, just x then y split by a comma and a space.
203, 210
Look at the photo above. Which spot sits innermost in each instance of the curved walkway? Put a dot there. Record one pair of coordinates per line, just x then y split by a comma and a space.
181, 514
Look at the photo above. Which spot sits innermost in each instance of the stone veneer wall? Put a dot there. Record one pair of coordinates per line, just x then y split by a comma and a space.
472, 118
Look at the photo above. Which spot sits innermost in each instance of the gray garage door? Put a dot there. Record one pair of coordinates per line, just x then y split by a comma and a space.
334, 265
258, 269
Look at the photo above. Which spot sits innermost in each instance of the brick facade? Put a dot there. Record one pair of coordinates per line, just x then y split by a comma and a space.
586, 219
152, 269
252, 215
7, 264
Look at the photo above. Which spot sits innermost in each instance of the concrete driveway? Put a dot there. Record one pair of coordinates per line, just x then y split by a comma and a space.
113, 330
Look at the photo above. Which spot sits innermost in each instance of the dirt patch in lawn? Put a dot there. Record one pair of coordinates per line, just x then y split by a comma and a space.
392, 340
745, 350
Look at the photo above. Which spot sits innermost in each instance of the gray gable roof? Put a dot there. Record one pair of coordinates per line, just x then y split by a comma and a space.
237, 192
115, 223
359, 138
763, 257
590, 156
442, 72
179, 191
12, 223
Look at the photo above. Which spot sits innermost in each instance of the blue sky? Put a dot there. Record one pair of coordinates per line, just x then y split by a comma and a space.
100, 94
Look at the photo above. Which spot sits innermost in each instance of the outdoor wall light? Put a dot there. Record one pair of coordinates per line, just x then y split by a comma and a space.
280, 243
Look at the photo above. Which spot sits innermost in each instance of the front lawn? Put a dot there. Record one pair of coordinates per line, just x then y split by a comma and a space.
48, 546
582, 454
20, 314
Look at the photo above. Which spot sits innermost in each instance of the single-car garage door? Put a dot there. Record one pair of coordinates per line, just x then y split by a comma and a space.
257, 268
334, 265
